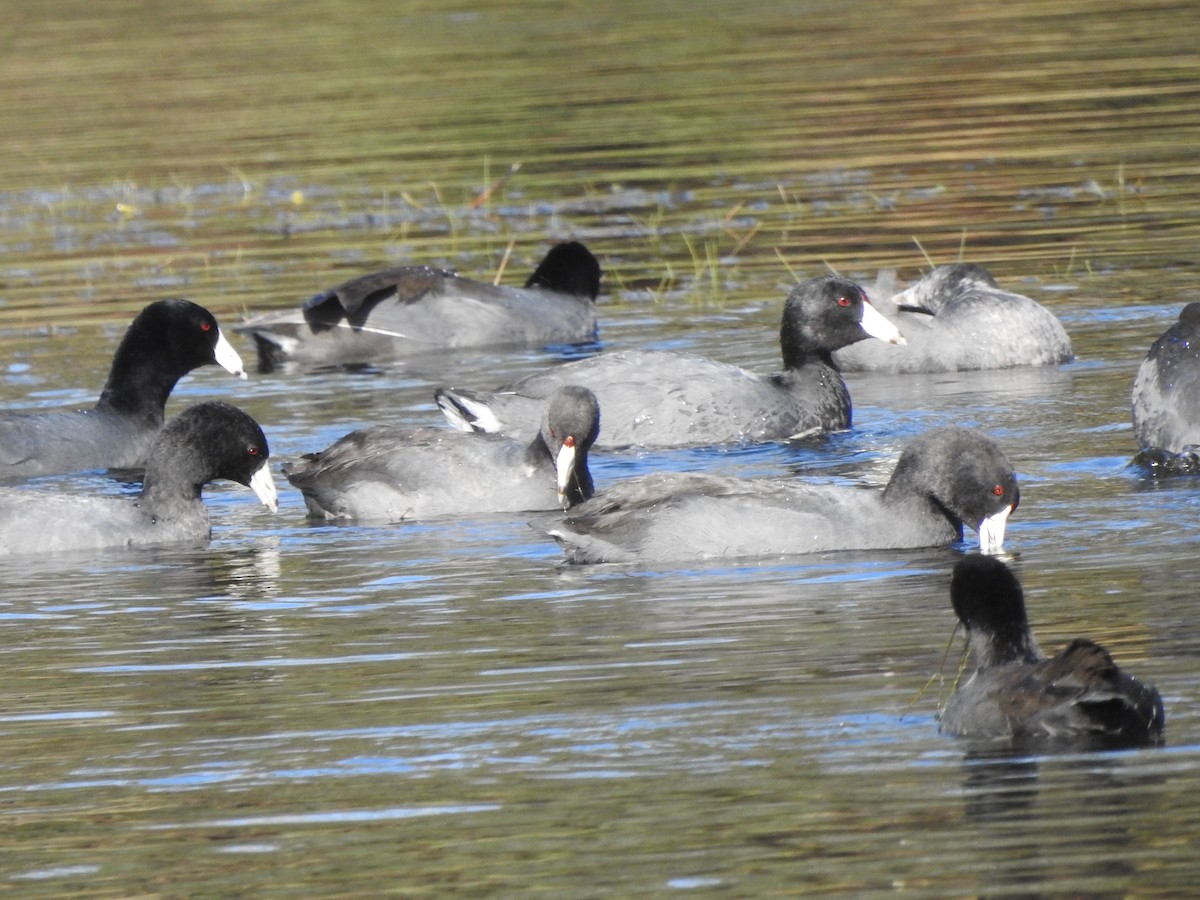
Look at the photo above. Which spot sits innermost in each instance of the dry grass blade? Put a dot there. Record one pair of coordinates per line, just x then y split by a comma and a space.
937, 675
504, 260
495, 186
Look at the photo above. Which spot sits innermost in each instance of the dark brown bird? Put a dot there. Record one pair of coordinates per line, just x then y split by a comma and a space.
1078, 696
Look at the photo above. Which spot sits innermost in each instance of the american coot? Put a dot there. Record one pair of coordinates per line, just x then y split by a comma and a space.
203, 443
1017, 693
667, 399
167, 340
416, 309
1166, 398
957, 319
395, 473
944, 478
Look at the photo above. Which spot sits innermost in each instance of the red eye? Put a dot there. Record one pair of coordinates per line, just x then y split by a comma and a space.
843, 300
998, 490
206, 326
252, 450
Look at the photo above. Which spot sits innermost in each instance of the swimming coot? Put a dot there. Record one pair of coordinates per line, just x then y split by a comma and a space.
165, 341
1166, 399
203, 443
417, 309
666, 399
1017, 693
944, 478
956, 318
392, 473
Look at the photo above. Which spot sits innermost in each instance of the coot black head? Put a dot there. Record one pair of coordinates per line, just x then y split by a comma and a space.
568, 268
825, 314
989, 602
167, 339
205, 442
963, 474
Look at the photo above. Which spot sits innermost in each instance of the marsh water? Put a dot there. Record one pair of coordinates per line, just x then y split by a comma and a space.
445, 708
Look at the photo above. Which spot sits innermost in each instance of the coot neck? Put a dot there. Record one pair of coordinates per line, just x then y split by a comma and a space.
796, 355
173, 480
904, 495
1010, 643
580, 487
801, 341
538, 452
143, 374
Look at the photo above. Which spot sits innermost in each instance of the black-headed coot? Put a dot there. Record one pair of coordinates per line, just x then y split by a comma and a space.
946, 477
1017, 693
201, 444
659, 398
165, 341
417, 309
392, 473
1166, 399
956, 318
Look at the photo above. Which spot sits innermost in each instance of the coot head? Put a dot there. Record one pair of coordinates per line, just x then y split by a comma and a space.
940, 286
965, 475
568, 268
826, 313
989, 602
569, 428
167, 339
206, 442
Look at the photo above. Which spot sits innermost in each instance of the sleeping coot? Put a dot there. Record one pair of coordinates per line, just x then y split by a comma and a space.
666, 399
416, 309
167, 340
956, 318
203, 443
944, 478
392, 473
1016, 693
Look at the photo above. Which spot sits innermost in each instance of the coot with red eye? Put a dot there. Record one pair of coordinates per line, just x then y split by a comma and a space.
957, 318
391, 473
167, 339
1166, 399
659, 398
410, 310
1017, 694
946, 478
203, 443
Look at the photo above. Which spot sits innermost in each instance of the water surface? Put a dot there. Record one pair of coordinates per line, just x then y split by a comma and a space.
444, 707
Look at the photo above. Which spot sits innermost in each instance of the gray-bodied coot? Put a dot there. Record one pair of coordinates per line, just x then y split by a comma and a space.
201, 444
945, 478
167, 339
392, 473
1166, 399
659, 398
957, 318
417, 309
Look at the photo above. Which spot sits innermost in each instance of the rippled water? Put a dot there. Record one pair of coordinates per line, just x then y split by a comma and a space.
444, 707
